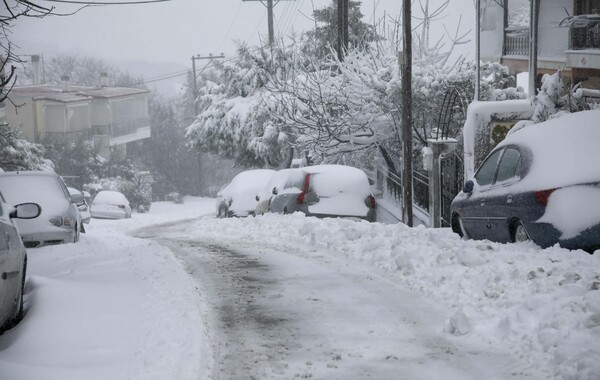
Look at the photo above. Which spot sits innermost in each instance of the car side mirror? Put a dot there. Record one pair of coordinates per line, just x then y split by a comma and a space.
26, 211
274, 191
468, 187
77, 199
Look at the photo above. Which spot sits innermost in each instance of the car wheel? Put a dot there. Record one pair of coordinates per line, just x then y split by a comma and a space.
222, 212
519, 233
458, 227
20, 309
76, 237
18, 315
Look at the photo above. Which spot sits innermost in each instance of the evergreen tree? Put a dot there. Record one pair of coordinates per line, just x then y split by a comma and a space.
16, 153
74, 159
321, 40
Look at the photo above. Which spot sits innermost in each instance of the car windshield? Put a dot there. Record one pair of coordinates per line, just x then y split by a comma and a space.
110, 198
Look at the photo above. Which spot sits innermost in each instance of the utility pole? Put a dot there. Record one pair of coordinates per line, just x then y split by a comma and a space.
342, 35
478, 51
406, 67
270, 6
195, 77
533, 46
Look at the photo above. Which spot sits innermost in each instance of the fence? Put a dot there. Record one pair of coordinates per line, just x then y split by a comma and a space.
516, 41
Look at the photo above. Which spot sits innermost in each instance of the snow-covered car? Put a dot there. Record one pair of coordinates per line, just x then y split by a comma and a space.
109, 204
282, 179
78, 198
327, 191
13, 261
59, 220
238, 198
541, 183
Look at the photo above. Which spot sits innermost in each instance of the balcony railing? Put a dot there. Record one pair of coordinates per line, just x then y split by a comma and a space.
584, 32
516, 41
124, 128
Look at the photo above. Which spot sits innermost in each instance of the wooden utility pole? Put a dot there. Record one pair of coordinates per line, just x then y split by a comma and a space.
195, 77
342, 28
270, 6
478, 51
406, 67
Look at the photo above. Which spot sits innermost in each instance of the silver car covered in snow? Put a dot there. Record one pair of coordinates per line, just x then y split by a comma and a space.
59, 220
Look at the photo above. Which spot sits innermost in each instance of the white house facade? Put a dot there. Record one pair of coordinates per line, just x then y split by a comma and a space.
568, 37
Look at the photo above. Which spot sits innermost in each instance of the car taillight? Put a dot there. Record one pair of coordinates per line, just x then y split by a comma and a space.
121, 206
543, 196
371, 201
305, 186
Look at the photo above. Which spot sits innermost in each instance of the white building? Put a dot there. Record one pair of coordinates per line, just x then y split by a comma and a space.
110, 116
568, 37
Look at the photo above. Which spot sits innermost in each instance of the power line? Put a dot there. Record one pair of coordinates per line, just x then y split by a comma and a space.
107, 2
230, 26
285, 14
294, 17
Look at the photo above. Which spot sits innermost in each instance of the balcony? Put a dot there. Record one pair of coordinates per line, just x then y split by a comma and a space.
128, 127
516, 41
584, 32
584, 42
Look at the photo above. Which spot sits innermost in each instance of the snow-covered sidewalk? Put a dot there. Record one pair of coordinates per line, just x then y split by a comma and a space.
114, 306
109, 307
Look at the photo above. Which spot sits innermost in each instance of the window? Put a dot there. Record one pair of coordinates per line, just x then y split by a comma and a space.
583, 7
509, 165
55, 118
485, 174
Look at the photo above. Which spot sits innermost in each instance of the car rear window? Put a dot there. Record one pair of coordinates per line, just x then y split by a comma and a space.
44, 190
110, 198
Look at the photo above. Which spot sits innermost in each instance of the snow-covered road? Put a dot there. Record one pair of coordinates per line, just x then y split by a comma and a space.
178, 294
277, 315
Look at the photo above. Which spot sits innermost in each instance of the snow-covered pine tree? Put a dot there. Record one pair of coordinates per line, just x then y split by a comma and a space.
16, 153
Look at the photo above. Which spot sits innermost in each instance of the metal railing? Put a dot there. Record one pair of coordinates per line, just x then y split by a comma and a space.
392, 191
516, 41
584, 32
421, 190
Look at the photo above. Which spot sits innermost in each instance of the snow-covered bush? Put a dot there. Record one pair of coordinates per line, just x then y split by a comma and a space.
118, 173
16, 153
553, 101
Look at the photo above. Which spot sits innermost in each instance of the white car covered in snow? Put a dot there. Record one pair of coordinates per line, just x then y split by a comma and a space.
59, 221
238, 198
110, 205
326, 191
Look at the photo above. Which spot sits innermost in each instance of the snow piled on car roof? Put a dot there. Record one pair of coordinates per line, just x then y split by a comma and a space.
331, 180
566, 150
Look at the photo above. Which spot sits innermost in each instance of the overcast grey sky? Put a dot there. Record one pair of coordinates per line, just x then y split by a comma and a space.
174, 31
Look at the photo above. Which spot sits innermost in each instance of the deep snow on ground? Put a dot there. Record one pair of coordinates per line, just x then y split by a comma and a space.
117, 307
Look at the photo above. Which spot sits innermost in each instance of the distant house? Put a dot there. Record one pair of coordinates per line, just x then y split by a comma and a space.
568, 37
111, 117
